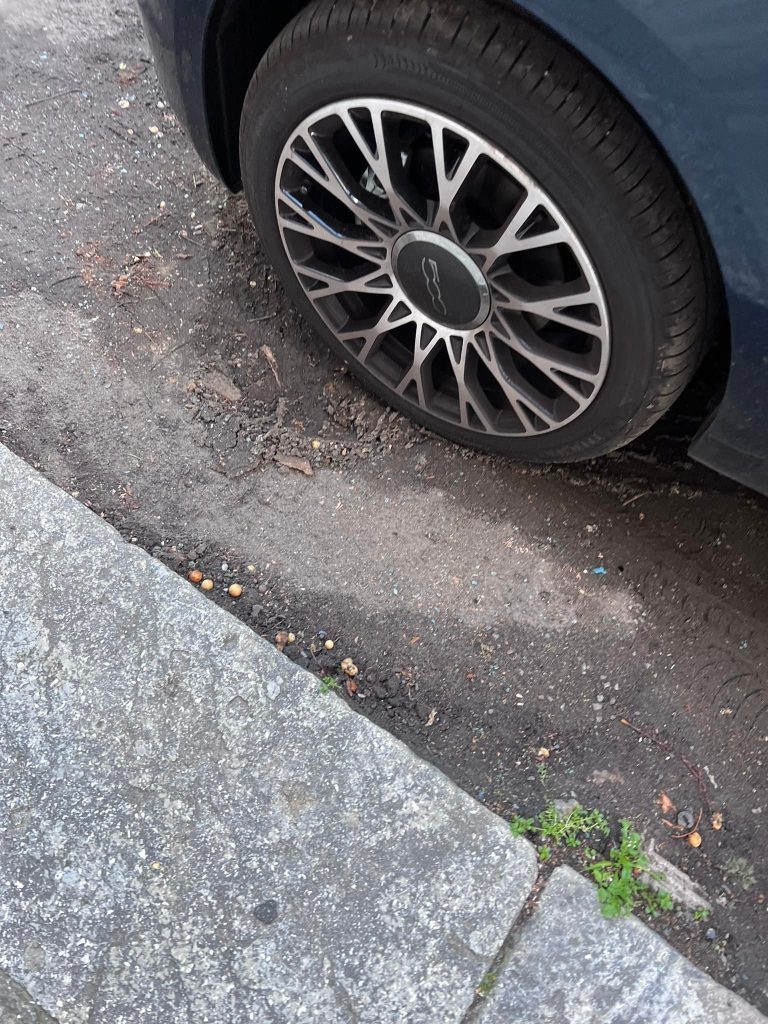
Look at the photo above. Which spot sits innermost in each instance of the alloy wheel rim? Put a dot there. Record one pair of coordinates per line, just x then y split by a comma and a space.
442, 267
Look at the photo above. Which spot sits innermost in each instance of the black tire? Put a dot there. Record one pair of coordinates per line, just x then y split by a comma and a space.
512, 83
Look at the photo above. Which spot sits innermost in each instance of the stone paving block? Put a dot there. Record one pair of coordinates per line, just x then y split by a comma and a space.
191, 833
570, 965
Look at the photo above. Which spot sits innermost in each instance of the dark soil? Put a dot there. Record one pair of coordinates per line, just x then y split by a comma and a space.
150, 365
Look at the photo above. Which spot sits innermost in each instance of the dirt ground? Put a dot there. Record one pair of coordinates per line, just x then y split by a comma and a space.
150, 365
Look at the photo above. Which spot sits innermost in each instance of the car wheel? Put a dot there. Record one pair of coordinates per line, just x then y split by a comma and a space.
476, 222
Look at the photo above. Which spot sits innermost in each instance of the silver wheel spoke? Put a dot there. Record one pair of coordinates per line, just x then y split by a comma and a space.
522, 401
470, 400
370, 335
550, 361
333, 183
442, 267
334, 285
554, 309
449, 187
314, 227
508, 241
377, 159
416, 374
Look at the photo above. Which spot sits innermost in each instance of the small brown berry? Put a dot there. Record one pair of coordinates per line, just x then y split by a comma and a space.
195, 576
206, 585
329, 645
235, 590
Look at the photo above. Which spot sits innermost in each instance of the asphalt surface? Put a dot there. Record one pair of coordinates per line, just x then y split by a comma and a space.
150, 365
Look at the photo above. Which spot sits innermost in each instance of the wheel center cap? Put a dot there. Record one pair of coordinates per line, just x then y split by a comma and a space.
441, 280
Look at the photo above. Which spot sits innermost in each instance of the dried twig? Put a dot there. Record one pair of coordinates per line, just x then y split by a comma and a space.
54, 96
693, 769
269, 355
635, 498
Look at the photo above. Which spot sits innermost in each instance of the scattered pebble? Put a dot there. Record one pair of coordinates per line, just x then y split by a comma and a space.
154, 129
685, 819
123, 104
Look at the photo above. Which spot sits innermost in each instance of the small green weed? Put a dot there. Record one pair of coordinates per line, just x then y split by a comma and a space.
328, 684
520, 826
570, 828
542, 769
701, 914
618, 874
486, 985
620, 888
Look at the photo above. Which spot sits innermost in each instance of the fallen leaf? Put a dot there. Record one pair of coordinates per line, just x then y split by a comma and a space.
351, 687
717, 820
294, 462
432, 716
695, 839
667, 807
281, 639
119, 283
542, 753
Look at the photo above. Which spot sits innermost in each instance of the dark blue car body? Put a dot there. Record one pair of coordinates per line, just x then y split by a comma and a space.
696, 71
